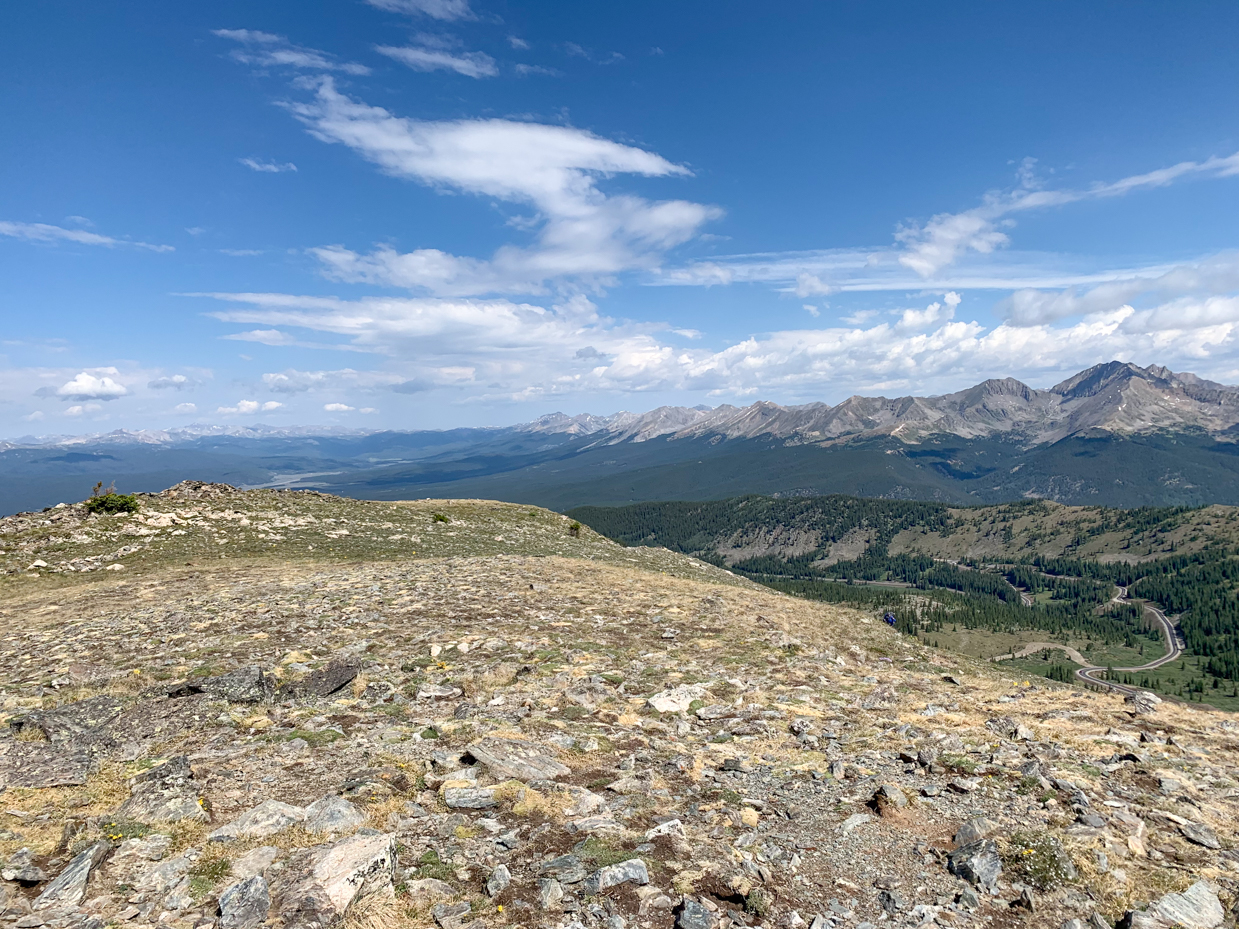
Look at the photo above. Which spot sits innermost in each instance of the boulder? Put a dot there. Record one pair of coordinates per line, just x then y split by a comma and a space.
244, 905
498, 881
68, 890
166, 793
1197, 907
977, 863
244, 685
333, 814
631, 871
332, 877
268, 818
676, 699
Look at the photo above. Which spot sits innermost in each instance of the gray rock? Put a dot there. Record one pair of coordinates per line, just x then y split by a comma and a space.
550, 893
974, 830
568, 869
498, 881
517, 760
166, 793
69, 888
83, 723
451, 915
325, 886
36, 765
977, 863
1142, 702
438, 692
244, 905
1197, 907
21, 868
254, 862
333, 813
693, 915
633, 870
268, 818
429, 890
164, 876
1200, 834
470, 798
889, 800
244, 685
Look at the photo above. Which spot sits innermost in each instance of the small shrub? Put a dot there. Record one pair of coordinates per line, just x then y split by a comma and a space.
117, 830
109, 501
440, 518
574, 530
1039, 859
757, 903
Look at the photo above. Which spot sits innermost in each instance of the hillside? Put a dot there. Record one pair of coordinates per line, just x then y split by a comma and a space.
1031, 579
1115, 435
299, 711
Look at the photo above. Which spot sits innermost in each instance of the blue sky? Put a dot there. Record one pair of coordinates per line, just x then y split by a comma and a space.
428, 213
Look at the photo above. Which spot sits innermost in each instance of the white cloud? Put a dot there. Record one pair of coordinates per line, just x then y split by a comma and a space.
498, 349
268, 50
34, 417
1213, 275
518, 43
267, 167
367, 409
42, 232
446, 10
338, 408
174, 382
812, 310
185, 409
810, 285
938, 243
87, 386
470, 64
583, 233
246, 407
292, 381
526, 69
82, 409
241, 252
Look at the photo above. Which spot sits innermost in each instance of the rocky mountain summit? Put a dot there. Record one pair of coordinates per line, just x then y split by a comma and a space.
243, 709
1113, 397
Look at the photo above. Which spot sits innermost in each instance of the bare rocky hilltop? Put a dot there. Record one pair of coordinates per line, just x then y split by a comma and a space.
240, 709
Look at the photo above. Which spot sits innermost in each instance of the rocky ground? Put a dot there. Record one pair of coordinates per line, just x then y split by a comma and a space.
472, 715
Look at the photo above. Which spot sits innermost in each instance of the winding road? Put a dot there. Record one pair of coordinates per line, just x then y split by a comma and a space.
1091, 674
1174, 648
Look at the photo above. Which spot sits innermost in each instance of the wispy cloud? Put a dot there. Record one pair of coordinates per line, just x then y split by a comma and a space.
523, 70
932, 246
248, 407
267, 167
42, 232
583, 234
266, 49
446, 10
421, 58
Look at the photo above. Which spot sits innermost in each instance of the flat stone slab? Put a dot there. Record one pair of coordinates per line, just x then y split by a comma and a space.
43, 764
512, 759
83, 723
268, 818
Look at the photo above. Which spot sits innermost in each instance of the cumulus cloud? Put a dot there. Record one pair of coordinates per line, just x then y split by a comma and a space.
267, 167
82, 409
445, 10
292, 381
246, 407
42, 232
266, 49
87, 386
338, 408
497, 348
582, 233
421, 58
185, 409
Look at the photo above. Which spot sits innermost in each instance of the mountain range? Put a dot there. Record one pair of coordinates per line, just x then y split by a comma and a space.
1116, 434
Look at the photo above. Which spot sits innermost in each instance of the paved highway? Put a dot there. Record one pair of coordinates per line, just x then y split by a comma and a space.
1174, 648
